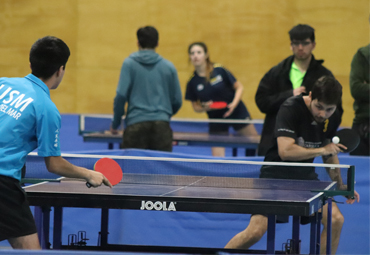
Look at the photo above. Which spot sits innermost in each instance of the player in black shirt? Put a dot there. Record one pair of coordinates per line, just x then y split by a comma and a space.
304, 127
296, 121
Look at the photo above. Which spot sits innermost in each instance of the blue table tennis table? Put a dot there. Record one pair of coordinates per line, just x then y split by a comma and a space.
174, 193
187, 139
186, 132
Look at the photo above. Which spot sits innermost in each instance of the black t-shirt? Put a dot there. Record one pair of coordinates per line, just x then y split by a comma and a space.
296, 121
219, 88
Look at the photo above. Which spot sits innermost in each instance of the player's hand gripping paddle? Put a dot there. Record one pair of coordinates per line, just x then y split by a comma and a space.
218, 105
348, 138
110, 169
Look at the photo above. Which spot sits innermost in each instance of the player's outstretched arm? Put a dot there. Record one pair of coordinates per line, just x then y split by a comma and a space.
289, 150
354, 199
335, 175
113, 131
60, 166
239, 88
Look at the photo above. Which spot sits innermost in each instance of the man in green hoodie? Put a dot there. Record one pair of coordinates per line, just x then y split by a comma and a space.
150, 85
360, 89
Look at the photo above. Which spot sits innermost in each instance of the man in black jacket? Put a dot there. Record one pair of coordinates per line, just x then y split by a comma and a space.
292, 76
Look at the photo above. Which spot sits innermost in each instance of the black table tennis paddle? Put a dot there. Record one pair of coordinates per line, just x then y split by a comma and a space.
348, 138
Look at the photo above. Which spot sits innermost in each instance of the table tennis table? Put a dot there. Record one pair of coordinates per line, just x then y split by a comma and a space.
186, 132
187, 194
186, 139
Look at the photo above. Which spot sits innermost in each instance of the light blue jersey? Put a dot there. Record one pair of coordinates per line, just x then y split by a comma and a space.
28, 120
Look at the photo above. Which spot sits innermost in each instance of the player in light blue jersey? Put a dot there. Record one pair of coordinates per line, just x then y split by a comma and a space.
30, 120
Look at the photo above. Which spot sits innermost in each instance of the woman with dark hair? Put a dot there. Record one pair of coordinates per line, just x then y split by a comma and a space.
210, 83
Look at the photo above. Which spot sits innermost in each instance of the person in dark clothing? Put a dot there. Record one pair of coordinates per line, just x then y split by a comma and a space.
303, 131
293, 76
360, 89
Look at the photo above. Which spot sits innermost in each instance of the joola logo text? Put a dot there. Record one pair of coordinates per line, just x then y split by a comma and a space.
158, 206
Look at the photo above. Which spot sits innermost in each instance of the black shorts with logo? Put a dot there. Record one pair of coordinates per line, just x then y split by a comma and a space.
16, 218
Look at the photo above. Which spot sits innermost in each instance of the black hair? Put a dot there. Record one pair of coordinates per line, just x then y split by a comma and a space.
327, 90
147, 37
47, 55
301, 32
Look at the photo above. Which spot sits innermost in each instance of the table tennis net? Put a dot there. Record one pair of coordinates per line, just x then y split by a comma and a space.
184, 181
160, 167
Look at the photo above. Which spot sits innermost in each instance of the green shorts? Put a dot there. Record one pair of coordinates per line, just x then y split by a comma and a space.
151, 135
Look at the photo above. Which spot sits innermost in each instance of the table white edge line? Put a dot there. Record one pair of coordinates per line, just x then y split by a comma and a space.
37, 184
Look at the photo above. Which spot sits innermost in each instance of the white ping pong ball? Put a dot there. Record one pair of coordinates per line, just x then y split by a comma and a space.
335, 140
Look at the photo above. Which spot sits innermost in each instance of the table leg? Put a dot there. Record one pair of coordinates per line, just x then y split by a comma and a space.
318, 232
235, 152
104, 227
57, 232
295, 235
110, 146
314, 235
250, 152
328, 227
42, 220
271, 228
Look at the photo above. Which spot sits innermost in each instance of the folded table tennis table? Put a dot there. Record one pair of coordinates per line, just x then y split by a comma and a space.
188, 194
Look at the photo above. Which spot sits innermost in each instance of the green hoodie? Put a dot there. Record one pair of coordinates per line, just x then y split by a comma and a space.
359, 83
150, 85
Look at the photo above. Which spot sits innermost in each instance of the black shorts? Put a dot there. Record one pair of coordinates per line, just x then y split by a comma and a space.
151, 135
288, 172
240, 113
16, 218
285, 219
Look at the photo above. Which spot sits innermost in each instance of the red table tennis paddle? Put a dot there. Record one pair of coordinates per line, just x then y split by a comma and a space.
218, 105
110, 169
348, 138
